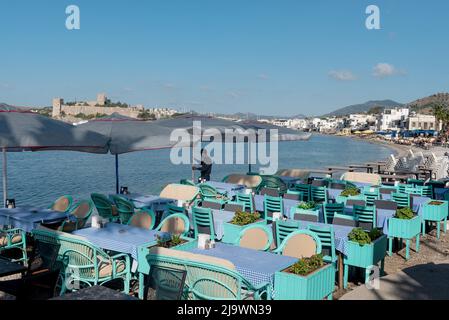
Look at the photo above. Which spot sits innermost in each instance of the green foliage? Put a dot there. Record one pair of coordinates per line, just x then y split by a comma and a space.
350, 192
145, 115
306, 266
375, 234
169, 242
90, 116
405, 214
244, 218
360, 236
307, 205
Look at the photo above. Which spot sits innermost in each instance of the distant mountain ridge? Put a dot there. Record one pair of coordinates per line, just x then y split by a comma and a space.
363, 107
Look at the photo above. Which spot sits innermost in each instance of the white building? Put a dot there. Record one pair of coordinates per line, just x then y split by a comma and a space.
392, 119
423, 122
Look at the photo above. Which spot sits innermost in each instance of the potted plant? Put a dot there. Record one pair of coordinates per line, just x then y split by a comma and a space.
307, 279
404, 225
434, 211
349, 193
364, 249
310, 207
232, 229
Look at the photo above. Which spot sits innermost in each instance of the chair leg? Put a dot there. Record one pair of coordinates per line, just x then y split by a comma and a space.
126, 280
407, 249
390, 246
438, 229
445, 225
141, 285
382, 267
330, 297
417, 243
345, 276
367, 275
424, 228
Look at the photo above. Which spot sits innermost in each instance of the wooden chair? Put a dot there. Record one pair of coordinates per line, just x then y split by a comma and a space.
255, 237
62, 204
144, 218
300, 244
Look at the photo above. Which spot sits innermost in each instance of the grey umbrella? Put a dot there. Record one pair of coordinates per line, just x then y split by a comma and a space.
27, 131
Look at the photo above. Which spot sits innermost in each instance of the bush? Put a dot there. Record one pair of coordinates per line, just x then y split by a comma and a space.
405, 214
307, 205
244, 218
375, 234
360, 236
306, 266
350, 192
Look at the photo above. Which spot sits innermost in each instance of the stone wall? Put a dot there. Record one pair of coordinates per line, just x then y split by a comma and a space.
89, 110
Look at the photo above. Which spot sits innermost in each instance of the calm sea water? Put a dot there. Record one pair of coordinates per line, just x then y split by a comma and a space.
40, 177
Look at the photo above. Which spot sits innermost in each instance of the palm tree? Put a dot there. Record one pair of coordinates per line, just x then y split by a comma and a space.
441, 113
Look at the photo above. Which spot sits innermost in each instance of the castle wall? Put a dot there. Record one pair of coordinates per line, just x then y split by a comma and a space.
89, 110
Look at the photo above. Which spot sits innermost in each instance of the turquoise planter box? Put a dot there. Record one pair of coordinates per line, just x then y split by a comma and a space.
404, 229
314, 212
366, 255
433, 212
341, 199
231, 231
315, 286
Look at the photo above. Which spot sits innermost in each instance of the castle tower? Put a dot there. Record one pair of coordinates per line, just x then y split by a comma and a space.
57, 107
101, 99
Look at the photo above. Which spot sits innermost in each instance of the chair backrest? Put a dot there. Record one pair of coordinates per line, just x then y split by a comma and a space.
387, 190
293, 195
296, 173
168, 283
175, 224
212, 205
269, 191
306, 216
361, 177
102, 204
402, 199
180, 192
43, 256
187, 182
272, 204
172, 209
371, 196
318, 194
301, 244
125, 208
330, 209
327, 237
144, 219
412, 190
273, 182
208, 192
366, 216
284, 228
304, 189
233, 207
355, 202
426, 191
247, 200
203, 221
82, 211
344, 220
250, 181
257, 237
385, 204
62, 204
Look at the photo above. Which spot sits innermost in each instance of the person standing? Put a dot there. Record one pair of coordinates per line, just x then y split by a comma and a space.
205, 167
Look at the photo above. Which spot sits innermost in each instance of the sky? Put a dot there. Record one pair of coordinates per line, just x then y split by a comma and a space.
267, 57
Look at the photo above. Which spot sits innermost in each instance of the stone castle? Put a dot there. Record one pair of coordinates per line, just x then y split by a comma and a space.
103, 107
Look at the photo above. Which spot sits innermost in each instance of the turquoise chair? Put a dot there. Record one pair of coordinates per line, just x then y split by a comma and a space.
62, 204
256, 237
426, 191
293, 245
79, 214
187, 182
304, 189
272, 204
402, 199
284, 228
203, 222
172, 209
366, 216
371, 197
318, 194
83, 262
327, 237
273, 182
246, 200
330, 209
177, 223
210, 193
143, 218
413, 190
125, 208
294, 195
345, 220
14, 239
104, 207
415, 182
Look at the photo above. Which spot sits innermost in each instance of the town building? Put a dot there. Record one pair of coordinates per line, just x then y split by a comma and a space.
423, 122
392, 119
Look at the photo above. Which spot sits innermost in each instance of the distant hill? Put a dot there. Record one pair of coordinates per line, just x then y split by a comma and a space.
424, 105
253, 116
364, 107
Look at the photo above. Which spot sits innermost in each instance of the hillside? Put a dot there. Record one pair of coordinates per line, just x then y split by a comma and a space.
364, 107
424, 105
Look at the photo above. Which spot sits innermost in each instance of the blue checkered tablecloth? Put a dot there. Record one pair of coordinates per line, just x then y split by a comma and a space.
229, 188
152, 202
255, 266
29, 218
219, 217
418, 201
288, 204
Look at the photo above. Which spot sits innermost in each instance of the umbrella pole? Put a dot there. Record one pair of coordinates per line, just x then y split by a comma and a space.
249, 158
5, 181
116, 175
193, 170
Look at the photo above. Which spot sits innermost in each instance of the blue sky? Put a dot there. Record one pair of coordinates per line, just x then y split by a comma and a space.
268, 57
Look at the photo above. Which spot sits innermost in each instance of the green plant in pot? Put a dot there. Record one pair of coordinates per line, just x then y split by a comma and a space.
169, 241
350, 192
362, 237
310, 205
306, 266
244, 218
405, 214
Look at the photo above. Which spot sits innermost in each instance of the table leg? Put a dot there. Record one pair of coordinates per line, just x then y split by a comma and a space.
340, 270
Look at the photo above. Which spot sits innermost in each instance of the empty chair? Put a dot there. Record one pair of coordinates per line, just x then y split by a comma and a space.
210, 193
250, 181
79, 216
327, 237
330, 209
273, 182
384, 204
426, 191
177, 224
366, 217
233, 207
413, 190
283, 228
319, 183
344, 220
304, 189
310, 216
144, 219
14, 239
125, 208
415, 182
104, 206
168, 283
172, 209
203, 221
318, 194
371, 197
300, 244
402, 199
272, 192
247, 200
62, 204
355, 202
293, 195
212, 205
257, 237
272, 204
387, 191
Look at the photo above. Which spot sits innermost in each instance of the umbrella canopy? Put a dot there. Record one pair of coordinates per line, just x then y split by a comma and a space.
27, 131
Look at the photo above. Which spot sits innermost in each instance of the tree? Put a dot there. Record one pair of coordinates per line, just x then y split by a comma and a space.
441, 113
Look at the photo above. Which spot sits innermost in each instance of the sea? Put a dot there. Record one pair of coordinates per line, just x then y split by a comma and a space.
38, 178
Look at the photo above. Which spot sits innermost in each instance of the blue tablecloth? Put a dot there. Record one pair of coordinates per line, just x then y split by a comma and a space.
288, 204
229, 188
289, 181
152, 202
332, 194
28, 218
255, 266
119, 237
440, 192
219, 217
418, 201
